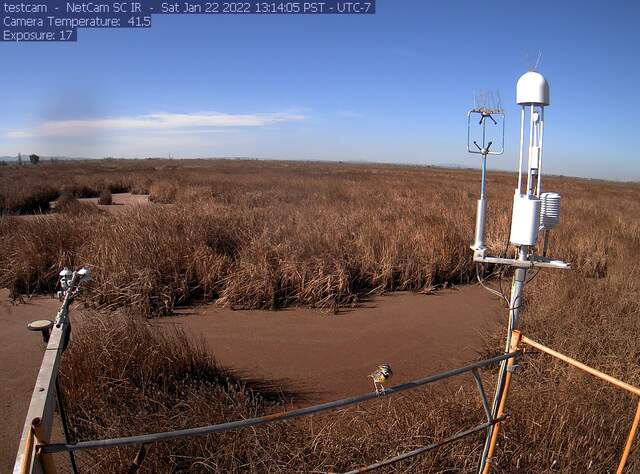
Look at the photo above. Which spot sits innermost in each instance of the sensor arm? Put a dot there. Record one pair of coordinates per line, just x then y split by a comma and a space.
484, 151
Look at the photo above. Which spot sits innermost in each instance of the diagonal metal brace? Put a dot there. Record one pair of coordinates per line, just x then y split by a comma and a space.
483, 395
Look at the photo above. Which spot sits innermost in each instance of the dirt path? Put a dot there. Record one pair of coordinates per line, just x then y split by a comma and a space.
120, 201
329, 355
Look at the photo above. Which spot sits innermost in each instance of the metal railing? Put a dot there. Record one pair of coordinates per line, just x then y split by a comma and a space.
143, 440
39, 419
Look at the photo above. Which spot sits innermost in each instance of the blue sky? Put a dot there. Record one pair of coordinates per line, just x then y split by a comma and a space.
391, 87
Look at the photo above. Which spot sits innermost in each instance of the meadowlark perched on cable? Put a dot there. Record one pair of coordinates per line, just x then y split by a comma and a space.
380, 376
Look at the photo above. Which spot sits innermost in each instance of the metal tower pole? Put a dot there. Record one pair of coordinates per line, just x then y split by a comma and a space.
515, 305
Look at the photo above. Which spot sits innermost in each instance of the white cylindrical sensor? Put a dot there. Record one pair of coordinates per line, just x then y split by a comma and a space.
534, 157
525, 219
478, 244
549, 211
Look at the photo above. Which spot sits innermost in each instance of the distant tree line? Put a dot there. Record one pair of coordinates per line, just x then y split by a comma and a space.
33, 158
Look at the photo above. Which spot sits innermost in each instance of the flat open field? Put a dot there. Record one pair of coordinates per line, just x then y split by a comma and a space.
245, 286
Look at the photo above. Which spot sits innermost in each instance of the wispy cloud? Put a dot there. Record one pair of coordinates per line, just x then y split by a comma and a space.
18, 134
163, 121
348, 113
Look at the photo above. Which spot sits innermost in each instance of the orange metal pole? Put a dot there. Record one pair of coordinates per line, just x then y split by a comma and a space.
48, 466
25, 465
581, 366
601, 375
515, 341
632, 435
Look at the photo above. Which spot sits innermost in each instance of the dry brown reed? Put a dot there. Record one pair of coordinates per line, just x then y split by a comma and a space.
257, 235
105, 198
264, 235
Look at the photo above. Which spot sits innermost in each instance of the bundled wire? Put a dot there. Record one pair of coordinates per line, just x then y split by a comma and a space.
500, 294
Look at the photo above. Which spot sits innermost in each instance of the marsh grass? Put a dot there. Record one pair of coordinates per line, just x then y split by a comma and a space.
266, 235
105, 198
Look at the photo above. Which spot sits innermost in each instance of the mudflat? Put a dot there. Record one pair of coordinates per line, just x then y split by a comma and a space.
329, 356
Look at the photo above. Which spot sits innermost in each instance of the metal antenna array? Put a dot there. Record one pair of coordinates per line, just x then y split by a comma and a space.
533, 211
487, 112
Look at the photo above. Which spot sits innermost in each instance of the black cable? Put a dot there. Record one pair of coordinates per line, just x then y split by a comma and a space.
65, 425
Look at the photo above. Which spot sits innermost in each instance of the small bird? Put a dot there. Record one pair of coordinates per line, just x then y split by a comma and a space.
380, 376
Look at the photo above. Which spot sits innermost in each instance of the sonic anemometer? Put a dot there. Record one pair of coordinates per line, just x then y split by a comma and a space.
485, 124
